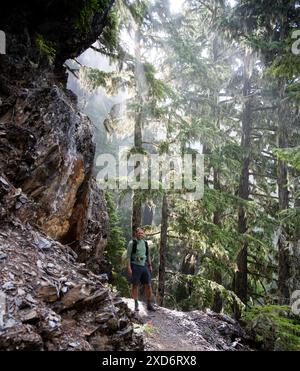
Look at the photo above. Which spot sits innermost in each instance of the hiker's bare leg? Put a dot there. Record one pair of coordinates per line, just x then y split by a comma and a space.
148, 291
135, 292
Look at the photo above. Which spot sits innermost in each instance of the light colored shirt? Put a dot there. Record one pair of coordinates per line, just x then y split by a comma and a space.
139, 258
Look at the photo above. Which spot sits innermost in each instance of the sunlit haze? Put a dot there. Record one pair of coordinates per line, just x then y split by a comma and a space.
176, 5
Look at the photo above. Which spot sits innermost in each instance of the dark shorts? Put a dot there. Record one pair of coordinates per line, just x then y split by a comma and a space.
140, 274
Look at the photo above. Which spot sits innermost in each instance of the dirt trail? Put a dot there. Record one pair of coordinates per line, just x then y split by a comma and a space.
171, 330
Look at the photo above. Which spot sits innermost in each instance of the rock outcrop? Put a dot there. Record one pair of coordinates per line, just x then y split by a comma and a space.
54, 303
47, 151
53, 218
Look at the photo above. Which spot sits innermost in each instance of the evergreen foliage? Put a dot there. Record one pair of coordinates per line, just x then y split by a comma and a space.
226, 78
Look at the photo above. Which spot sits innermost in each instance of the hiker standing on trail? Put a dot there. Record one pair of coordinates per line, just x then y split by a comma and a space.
139, 267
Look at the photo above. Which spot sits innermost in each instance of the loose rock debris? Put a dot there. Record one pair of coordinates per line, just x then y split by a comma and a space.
50, 305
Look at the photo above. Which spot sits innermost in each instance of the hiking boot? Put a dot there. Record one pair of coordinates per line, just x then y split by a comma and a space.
151, 307
136, 306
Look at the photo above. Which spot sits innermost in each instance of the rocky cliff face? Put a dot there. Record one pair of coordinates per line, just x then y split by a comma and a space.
47, 151
53, 218
53, 302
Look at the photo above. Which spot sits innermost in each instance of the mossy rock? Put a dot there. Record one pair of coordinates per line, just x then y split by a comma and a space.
273, 327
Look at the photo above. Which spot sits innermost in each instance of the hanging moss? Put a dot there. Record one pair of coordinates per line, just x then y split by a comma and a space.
46, 48
111, 34
89, 8
83, 22
273, 327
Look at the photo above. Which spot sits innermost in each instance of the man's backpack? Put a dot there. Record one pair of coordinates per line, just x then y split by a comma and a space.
134, 247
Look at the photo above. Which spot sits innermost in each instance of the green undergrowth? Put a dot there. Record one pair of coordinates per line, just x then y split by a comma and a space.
273, 327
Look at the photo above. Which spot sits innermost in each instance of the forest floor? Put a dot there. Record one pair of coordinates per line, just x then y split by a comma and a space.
172, 330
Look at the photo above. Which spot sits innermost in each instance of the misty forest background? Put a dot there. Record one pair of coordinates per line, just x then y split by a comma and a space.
217, 78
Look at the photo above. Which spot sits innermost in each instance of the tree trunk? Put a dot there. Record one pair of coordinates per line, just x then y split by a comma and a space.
136, 211
218, 302
188, 265
148, 213
217, 276
241, 277
138, 133
284, 270
136, 201
162, 252
295, 262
